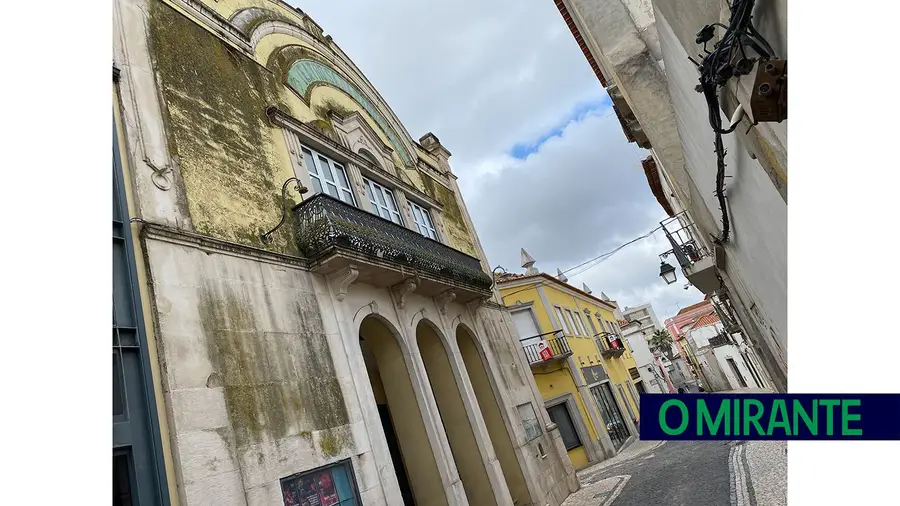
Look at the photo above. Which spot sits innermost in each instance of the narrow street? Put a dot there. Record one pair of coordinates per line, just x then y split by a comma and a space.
714, 473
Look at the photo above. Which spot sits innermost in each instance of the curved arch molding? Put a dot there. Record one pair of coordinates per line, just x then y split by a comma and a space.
305, 74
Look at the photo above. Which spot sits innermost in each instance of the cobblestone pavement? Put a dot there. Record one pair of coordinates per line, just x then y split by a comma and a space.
688, 473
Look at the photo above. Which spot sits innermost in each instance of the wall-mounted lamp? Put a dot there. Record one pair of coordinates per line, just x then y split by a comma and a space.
266, 237
494, 274
666, 271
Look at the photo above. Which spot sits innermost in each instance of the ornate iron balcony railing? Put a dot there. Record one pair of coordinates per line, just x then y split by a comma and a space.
324, 224
559, 347
720, 340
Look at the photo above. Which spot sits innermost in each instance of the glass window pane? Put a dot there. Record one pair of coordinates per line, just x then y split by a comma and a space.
396, 218
562, 321
347, 196
392, 204
333, 190
379, 194
326, 169
121, 481
342, 176
317, 185
310, 163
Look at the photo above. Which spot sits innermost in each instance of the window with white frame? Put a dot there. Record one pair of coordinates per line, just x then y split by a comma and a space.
562, 321
571, 320
383, 202
328, 176
580, 322
423, 221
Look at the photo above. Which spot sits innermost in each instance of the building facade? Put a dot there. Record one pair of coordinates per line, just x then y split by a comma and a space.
585, 371
317, 321
638, 324
721, 359
642, 52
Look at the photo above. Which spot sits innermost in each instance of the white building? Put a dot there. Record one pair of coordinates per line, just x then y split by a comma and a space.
719, 355
637, 326
642, 52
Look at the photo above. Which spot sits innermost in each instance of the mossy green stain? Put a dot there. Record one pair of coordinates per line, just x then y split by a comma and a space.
453, 217
265, 394
214, 99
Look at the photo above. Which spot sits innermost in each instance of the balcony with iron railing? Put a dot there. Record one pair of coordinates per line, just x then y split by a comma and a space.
699, 265
335, 235
611, 345
558, 349
721, 339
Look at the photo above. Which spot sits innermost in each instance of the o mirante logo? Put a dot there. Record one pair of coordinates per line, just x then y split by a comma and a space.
770, 416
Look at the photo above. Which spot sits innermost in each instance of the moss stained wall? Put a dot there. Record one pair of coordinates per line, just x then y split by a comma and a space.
232, 161
215, 99
277, 384
454, 223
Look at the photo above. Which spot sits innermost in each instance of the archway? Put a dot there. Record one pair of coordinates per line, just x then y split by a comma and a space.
461, 436
493, 418
404, 429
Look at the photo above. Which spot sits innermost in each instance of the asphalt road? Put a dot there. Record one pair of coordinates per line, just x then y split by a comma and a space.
679, 473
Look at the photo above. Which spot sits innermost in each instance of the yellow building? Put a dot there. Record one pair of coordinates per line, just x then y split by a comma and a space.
579, 360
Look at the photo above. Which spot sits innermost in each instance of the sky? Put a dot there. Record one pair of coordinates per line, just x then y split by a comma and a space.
541, 158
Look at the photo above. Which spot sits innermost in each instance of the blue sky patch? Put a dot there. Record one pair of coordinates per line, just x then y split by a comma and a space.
521, 150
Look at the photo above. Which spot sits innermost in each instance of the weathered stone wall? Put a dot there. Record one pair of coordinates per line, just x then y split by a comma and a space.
255, 388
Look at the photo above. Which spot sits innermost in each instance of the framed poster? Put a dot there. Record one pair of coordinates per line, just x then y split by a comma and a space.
332, 485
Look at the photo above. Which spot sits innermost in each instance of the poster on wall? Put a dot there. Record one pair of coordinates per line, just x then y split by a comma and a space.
315, 489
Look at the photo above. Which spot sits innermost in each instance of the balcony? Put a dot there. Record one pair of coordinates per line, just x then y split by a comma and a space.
559, 349
611, 345
336, 236
699, 265
720, 340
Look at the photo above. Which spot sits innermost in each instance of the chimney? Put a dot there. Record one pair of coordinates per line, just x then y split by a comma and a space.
433, 145
585, 288
560, 276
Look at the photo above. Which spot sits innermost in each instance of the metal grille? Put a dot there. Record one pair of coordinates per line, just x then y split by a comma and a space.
615, 424
682, 235
323, 222
559, 346
720, 340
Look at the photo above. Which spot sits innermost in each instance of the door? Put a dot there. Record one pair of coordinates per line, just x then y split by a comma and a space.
560, 415
399, 468
609, 410
737, 372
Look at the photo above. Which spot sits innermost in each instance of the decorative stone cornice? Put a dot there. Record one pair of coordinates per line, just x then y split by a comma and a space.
342, 279
205, 243
402, 290
216, 22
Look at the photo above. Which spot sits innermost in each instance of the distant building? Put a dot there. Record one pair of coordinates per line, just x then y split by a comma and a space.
638, 324
584, 369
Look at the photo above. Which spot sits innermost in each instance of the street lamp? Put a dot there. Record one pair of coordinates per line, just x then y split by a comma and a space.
667, 272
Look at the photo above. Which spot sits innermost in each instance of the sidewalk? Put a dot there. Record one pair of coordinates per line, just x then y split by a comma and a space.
635, 449
766, 463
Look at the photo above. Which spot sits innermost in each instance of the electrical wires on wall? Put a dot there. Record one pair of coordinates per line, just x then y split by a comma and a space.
728, 59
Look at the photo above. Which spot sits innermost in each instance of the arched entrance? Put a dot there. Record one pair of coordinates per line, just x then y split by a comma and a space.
411, 452
461, 436
493, 418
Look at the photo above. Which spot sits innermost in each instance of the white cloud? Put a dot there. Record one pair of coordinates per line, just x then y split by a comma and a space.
485, 76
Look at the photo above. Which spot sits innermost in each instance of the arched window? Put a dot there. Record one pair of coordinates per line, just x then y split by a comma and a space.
370, 157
